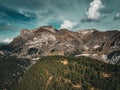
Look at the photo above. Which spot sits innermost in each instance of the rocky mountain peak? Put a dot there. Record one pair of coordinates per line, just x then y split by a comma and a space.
25, 32
48, 28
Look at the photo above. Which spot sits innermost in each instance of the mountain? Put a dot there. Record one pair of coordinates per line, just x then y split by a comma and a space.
47, 41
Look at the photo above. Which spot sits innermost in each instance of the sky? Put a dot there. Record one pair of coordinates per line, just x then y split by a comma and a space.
74, 15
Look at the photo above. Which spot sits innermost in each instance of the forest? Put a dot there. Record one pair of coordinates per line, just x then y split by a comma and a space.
70, 73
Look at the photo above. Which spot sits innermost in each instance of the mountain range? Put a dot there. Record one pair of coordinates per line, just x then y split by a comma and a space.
48, 41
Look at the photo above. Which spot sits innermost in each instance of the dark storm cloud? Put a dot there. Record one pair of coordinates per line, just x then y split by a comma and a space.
84, 20
15, 15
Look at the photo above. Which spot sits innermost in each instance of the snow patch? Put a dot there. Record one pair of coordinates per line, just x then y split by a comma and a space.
84, 32
96, 46
104, 57
34, 59
86, 55
86, 48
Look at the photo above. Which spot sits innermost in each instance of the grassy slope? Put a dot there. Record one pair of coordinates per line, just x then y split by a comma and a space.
79, 74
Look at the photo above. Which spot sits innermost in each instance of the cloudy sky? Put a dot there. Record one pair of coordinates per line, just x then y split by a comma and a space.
71, 14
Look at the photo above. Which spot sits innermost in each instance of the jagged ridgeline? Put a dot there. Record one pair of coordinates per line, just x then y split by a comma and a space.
70, 73
47, 41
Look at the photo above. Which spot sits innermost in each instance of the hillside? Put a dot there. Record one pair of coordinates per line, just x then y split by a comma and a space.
70, 73
11, 70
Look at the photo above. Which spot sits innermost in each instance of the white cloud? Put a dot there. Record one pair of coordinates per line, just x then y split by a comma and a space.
93, 12
68, 25
22, 12
7, 40
117, 16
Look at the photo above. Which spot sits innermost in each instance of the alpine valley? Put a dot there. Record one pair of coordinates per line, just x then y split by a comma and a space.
49, 59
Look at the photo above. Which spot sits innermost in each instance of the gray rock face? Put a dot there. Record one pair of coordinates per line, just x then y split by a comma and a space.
46, 41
